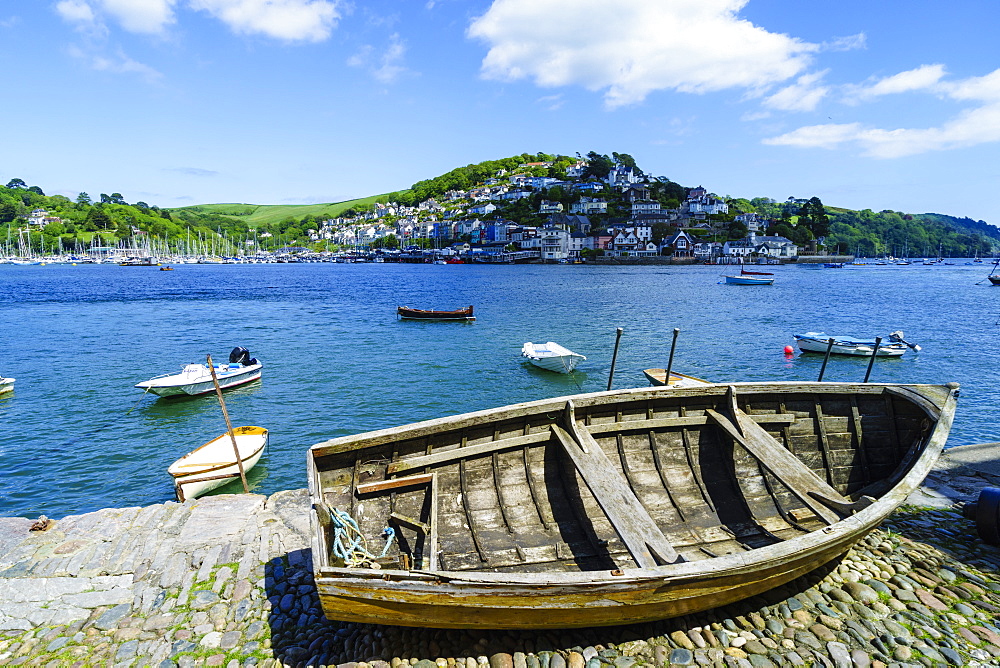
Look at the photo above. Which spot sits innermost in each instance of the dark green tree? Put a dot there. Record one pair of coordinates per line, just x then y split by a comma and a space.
737, 230
598, 166
625, 160
16, 184
83, 199
8, 211
813, 216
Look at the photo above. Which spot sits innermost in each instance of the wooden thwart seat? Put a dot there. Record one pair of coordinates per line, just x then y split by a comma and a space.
815, 492
637, 529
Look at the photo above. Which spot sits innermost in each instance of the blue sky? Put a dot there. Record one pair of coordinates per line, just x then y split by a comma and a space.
880, 105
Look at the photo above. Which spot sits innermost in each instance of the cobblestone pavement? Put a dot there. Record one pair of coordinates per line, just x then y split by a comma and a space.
227, 581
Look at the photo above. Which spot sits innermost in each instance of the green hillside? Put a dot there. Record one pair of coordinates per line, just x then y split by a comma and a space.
268, 214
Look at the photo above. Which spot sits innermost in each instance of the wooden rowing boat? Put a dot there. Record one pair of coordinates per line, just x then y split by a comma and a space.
613, 507
407, 313
658, 377
214, 464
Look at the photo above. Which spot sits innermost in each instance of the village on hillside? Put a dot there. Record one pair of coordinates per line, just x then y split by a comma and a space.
465, 224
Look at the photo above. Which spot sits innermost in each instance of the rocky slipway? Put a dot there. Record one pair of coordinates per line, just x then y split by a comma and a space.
227, 581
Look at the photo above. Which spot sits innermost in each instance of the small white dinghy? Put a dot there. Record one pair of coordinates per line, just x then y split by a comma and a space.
6, 385
196, 379
551, 356
214, 464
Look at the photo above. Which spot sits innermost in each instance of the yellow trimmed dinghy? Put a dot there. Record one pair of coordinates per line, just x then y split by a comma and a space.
214, 464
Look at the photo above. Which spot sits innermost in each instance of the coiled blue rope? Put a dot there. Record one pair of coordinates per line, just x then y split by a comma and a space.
349, 543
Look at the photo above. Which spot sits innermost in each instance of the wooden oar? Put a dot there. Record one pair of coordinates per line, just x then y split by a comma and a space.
229, 426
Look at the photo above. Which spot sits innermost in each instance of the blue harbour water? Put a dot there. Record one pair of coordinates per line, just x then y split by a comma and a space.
75, 436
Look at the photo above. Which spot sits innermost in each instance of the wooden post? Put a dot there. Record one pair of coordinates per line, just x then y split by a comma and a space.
229, 426
614, 357
871, 362
826, 358
670, 360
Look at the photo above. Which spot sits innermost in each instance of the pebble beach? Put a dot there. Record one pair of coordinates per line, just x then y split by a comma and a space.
227, 581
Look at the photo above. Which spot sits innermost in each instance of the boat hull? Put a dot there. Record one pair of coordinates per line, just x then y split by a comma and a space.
405, 313
517, 532
199, 381
748, 280
994, 279
841, 347
6, 385
552, 357
214, 464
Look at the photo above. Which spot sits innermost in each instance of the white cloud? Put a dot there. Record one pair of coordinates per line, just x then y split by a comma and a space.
849, 43
386, 67
551, 102
971, 127
143, 16
631, 48
292, 20
925, 77
75, 11
803, 95
117, 64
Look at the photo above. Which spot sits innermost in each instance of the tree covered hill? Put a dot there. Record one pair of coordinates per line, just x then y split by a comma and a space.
75, 225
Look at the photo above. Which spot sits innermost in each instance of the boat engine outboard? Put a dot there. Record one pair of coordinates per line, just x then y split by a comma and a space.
897, 337
241, 355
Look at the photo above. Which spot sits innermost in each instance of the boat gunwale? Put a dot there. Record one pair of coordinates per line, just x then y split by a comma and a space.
220, 373
849, 528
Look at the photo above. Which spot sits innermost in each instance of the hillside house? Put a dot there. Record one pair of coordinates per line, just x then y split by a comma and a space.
547, 207
482, 209
626, 243
621, 176
753, 221
589, 206
642, 206
678, 245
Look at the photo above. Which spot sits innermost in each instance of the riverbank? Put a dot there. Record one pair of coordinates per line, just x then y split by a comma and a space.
227, 580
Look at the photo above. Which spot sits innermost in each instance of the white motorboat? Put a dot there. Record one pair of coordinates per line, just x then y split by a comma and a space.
214, 464
818, 342
6, 385
197, 378
551, 356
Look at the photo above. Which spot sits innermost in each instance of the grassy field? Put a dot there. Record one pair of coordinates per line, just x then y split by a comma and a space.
262, 214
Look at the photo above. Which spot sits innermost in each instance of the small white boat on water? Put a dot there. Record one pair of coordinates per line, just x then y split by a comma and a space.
551, 356
750, 278
214, 464
197, 378
818, 342
6, 385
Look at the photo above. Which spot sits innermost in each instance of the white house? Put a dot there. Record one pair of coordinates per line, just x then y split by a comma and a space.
752, 220
482, 209
554, 243
622, 176
547, 207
